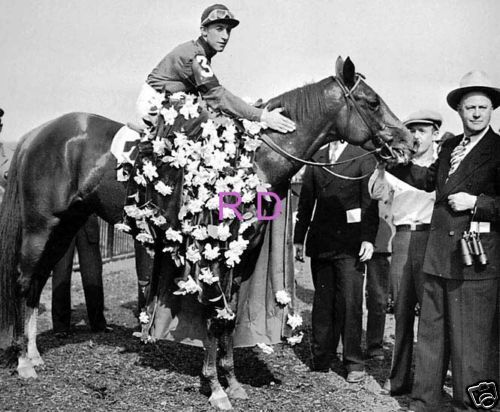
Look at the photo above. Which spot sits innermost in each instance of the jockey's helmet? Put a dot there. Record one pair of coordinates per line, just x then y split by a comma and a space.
218, 13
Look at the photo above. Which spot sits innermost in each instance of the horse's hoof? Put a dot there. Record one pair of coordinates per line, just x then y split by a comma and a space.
219, 400
236, 392
25, 369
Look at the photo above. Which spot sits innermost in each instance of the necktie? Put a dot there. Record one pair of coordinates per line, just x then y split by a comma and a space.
457, 155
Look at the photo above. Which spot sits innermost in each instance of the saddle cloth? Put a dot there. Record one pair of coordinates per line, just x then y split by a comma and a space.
124, 148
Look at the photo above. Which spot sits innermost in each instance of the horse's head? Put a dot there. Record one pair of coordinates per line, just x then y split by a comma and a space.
365, 120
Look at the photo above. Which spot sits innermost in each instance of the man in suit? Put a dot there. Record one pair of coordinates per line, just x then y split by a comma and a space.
340, 240
459, 315
86, 242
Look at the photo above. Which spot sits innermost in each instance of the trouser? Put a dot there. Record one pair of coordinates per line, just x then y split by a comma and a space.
144, 269
408, 250
89, 257
458, 318
377, 288
337, 311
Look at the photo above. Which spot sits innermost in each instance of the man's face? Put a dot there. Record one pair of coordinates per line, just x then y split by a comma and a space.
423, 134
475, 110
217, 35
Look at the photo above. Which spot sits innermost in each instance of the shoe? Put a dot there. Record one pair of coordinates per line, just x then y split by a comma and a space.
356, 376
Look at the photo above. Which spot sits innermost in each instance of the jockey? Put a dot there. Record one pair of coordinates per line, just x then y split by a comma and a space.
187, 69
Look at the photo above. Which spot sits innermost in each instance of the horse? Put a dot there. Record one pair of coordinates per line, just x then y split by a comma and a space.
63, 171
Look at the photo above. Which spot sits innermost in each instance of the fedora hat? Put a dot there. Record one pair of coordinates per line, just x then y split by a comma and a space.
424, 117
474, 81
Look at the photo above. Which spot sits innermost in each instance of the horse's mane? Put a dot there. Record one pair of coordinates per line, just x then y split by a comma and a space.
303, 101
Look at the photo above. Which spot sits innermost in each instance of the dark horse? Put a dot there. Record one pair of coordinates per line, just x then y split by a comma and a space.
63, 171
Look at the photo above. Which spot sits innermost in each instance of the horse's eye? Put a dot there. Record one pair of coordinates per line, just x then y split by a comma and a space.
373, 104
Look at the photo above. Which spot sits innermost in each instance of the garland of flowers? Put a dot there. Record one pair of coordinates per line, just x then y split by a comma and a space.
220, 160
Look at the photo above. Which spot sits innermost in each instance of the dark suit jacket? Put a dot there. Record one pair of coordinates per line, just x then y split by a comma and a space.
329, 234
478, 174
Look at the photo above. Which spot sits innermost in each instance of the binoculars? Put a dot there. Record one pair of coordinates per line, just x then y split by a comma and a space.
470, 247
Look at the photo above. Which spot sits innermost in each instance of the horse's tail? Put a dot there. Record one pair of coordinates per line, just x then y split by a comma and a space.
10, 244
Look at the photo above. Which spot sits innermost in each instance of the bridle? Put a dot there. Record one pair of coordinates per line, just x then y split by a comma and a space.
350, 101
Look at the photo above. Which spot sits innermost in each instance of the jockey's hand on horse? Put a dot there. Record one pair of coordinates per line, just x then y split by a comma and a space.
276, 121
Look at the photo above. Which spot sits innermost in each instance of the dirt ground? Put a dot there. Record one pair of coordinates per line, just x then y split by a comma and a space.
115, 372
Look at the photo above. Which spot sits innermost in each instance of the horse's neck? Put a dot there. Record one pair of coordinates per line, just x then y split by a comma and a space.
275, 168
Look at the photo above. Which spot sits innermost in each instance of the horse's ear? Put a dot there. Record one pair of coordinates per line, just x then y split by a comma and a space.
339, 68
349, 73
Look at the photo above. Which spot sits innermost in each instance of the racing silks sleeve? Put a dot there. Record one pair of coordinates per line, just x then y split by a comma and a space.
218, 97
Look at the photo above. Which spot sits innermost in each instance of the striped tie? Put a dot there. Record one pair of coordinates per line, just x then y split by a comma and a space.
457, 155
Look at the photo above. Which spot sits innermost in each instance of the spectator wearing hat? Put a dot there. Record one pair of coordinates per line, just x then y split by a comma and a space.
187, 68
459, 317
411, 209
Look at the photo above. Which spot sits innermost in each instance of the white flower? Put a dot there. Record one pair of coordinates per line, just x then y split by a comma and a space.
248, 196
225, 313
230, 150
176, 159
163, 189
245, 162
244, 226
293, 340
189, 109
173, 235
186, 227
140, 180
252, 127
251, 144
144, 238
211, 253
229, 133
169, 115
149, 170
159, 146
144, 317
282, 297
193, 254
123, 227
187, 286
294, 321
223, 232
213, 203
133, 211
218, 160
252, 181
228, 213
265, 348
236, 249
159, 220
180, 140
221, 185
207, 276
209, 129
195, 206
200, 233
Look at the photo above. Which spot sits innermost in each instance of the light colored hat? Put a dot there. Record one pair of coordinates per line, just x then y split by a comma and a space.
475, 80
218, 13
424, 117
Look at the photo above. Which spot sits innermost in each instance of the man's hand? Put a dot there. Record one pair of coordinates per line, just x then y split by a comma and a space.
276, 121
366, 251
299, 252
462, 201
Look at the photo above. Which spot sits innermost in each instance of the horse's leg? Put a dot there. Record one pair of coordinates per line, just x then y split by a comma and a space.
218, 398
234, 389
